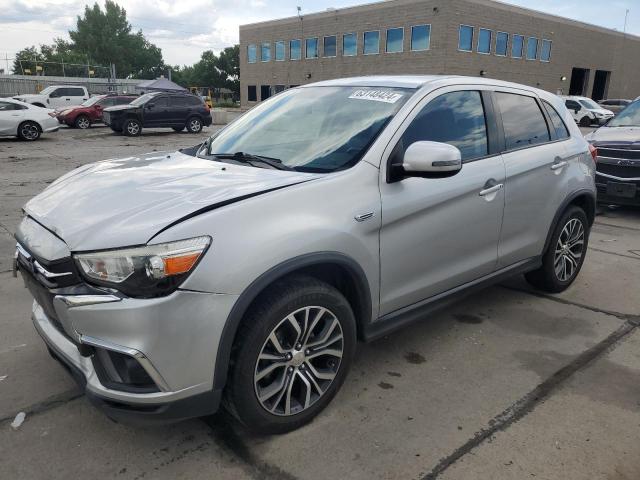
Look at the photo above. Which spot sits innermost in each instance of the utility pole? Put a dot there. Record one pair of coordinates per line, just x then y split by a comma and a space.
626, 15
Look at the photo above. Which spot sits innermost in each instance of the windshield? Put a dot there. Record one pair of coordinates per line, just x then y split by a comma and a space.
629, 117
92, 100
589, 103
47, 90
313, 129
142, 99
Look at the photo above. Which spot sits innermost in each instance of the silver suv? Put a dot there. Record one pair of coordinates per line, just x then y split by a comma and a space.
244, 271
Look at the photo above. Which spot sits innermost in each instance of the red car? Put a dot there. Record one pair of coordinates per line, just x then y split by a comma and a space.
82, 116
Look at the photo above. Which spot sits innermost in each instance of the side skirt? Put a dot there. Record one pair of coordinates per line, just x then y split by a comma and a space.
418, 311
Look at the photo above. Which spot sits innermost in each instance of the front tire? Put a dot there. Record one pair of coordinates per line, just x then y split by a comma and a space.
194, 125
585, 121
29, 131
82, 122
132, 128
297, 344
565, 255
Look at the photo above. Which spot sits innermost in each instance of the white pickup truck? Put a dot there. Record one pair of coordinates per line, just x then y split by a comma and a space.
56, 96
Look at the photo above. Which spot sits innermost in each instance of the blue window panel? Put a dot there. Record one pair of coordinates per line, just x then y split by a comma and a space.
265, 52
279, 50
532, 48
517, 44
484, 41
371, 42
295, 49
395, 40
252, 53
420, 37
545, 53
349, 44
465, 38
311, 48
329, 46
502, 40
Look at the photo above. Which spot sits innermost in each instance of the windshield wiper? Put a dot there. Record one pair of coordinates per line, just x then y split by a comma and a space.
249, 158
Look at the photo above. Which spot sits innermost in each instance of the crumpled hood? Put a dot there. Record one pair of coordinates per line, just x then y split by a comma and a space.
615, 134
116, 203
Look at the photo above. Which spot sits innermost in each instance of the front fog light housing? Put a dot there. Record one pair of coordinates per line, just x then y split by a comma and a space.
149, 271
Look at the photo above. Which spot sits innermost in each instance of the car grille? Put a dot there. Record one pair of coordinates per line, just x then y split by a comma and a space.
622, 161
40, 278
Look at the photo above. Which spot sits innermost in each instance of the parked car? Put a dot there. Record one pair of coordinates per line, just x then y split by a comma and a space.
614, 104
159, 109
57, 96
330, 213
28, 122
586, 112
90, 112
618, 167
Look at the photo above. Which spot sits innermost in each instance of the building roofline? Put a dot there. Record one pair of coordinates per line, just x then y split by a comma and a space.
490, 3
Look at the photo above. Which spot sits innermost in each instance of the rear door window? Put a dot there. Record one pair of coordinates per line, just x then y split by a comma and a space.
559, 126
160, 101
522, 120
456, 118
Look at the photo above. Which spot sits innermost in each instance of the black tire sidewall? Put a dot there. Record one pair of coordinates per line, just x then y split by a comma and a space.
261, 321
584, 123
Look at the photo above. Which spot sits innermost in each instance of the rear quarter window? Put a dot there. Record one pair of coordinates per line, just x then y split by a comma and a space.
556, 120
522, 120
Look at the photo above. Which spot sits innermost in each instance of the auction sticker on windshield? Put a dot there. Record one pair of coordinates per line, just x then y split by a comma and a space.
377, 95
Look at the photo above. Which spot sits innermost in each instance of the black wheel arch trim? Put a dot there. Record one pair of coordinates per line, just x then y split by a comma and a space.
247, 297
563, 207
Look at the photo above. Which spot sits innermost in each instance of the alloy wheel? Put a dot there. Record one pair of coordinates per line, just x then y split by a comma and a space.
133, 128
30, 131
194, 125
84, 123
299, 361
569, 250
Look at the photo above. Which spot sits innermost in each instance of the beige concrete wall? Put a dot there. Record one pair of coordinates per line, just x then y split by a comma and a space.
574, 45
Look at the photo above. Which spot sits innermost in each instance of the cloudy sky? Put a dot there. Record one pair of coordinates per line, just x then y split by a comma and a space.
184, 29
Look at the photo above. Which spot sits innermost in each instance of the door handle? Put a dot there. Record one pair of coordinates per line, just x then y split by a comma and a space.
558, 162
490, 187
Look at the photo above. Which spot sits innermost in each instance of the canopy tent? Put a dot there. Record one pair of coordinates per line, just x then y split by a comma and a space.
160, 85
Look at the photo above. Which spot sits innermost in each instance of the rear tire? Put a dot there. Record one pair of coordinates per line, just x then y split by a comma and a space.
565, 254
132, 128
82, 122
29, 131
585, 121
300, 381
194, 125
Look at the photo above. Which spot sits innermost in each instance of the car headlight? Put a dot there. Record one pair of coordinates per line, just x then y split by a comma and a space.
599, 115
149, 271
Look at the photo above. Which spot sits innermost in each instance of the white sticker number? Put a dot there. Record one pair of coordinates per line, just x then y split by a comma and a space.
376, 96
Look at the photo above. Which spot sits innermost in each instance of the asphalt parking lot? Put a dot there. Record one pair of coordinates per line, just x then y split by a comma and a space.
507, 384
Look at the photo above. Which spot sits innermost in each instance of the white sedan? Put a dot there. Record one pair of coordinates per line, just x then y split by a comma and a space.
26, 121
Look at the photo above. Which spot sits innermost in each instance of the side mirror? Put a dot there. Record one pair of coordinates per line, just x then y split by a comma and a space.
577, 109
431, 159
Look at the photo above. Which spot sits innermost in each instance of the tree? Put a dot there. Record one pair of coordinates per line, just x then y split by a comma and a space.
221, 71
60, 58
229, 64
106, 37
